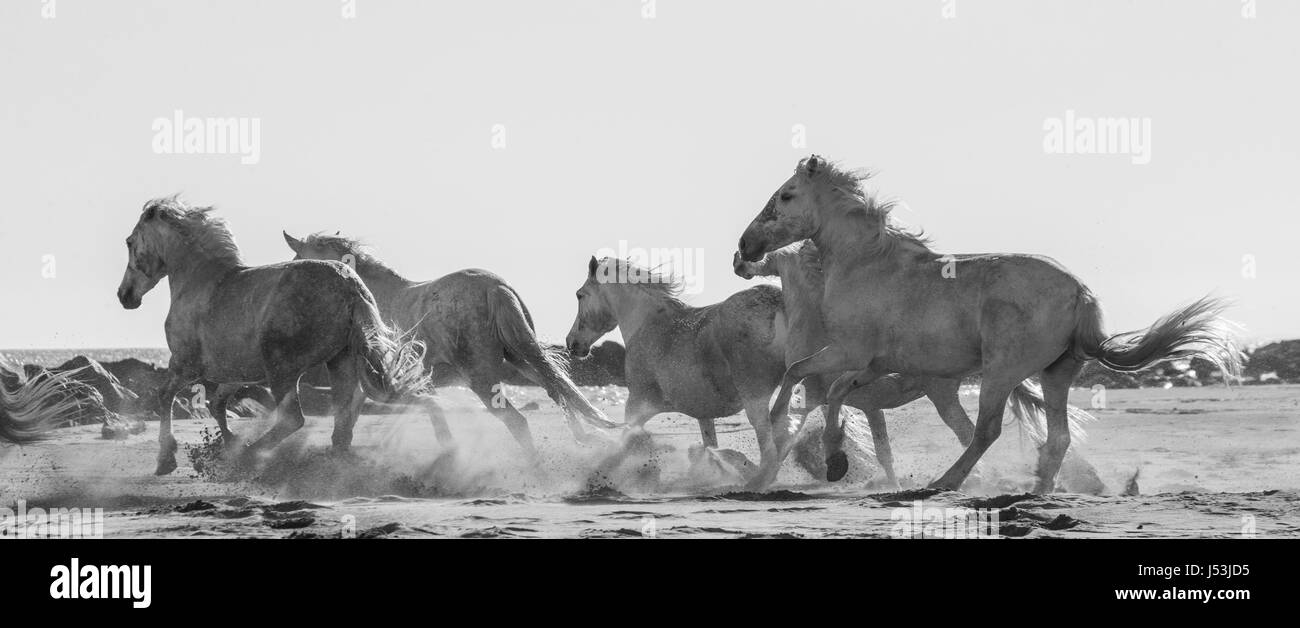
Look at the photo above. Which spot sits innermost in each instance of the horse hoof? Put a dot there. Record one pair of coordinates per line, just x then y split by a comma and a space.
941, 486
165, 467
837, 464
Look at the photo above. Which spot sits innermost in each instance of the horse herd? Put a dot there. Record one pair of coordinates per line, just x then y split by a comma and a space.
867, 315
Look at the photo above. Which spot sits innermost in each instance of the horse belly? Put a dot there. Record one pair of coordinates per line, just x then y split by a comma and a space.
698, 394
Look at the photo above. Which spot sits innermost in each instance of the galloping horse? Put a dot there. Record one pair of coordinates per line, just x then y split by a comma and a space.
802, 287
475, 329
893, 305
705, 362
236, 325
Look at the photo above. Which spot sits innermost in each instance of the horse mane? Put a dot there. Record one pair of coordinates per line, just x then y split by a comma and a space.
355, 246
810, 259
197, 226
658, 283
853, 194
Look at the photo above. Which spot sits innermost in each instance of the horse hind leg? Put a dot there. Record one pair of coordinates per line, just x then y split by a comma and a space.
1056, 380
492, 394
347, 397
225, 392
993, 401
288, 414
575, 406
943, 394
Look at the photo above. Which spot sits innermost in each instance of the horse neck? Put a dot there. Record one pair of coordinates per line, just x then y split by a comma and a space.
196, 270
801, 291
634, 307
800, 283
845, 240
384, 282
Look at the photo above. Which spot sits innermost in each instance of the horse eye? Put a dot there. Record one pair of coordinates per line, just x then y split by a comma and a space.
786, 196
579, 296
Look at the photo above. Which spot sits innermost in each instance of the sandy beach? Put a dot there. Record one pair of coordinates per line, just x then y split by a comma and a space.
1209, 462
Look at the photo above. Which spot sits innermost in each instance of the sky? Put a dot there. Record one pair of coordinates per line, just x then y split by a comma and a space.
522, 137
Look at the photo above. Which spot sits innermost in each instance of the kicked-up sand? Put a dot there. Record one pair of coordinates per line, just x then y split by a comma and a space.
1183, 462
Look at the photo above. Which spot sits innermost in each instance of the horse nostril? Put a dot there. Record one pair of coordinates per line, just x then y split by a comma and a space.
742, 245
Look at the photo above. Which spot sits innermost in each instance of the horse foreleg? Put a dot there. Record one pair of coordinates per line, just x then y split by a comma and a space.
166, 441
880, 436
1056, 380
829, 360
636, 413
708, 432
837, 464
993, 402
769, 454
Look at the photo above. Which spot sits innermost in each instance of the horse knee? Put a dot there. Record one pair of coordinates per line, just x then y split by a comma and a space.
990, 431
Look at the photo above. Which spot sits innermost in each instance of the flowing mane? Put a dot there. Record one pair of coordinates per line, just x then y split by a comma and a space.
343, 245
198, 227
849, 183
810, 260
658, 283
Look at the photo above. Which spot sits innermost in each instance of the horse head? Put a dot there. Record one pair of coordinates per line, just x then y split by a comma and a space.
595, 317
790, 214
145, 265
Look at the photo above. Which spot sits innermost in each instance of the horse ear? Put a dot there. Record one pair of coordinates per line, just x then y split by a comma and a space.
294, 243
591, 266
813, 164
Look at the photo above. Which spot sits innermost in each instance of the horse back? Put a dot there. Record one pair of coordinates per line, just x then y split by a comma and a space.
452, 315
288, 316
943, 316
708, 360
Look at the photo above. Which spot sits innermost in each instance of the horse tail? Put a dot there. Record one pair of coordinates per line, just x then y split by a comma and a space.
391, 364
1197, 330
29, 408
1029, 410
514, 327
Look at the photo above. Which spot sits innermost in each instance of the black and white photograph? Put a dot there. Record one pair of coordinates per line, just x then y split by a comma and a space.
309, 275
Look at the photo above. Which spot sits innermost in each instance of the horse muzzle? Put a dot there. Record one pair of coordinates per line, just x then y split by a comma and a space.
751, 248
738, 266
578, 349
128, 298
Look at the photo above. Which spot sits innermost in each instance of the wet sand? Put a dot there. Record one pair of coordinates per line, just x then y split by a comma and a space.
1209, 462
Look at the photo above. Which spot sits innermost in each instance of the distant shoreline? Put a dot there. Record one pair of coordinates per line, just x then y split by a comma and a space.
55, 357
